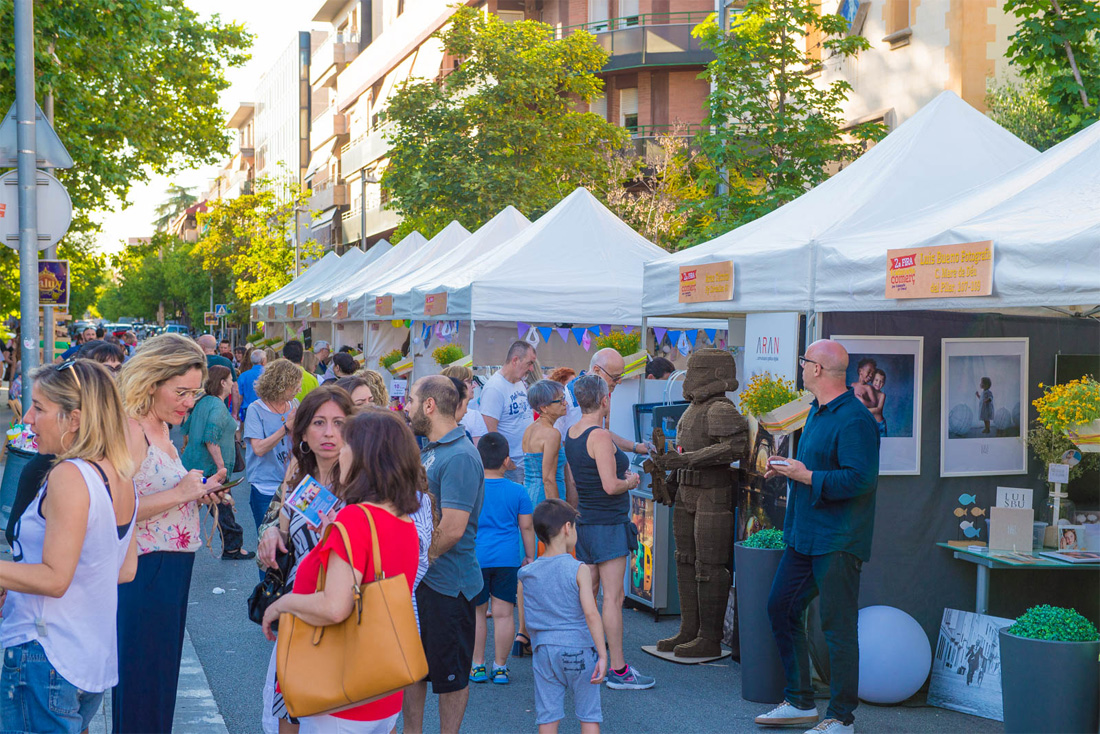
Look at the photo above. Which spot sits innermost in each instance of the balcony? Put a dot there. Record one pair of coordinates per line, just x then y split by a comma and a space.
337, 50
328, 197
364, 150
650, 39
646, 138
378, 218
352, 227
326, 126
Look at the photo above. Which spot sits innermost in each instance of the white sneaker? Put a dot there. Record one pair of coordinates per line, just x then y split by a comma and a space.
787, 715
832, 726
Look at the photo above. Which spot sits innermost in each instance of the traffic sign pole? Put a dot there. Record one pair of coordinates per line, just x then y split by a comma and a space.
28, 195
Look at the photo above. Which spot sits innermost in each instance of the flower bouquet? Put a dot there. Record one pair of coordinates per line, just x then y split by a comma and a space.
1073, 408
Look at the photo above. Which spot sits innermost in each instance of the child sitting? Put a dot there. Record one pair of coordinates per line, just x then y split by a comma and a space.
565, 625
505, 517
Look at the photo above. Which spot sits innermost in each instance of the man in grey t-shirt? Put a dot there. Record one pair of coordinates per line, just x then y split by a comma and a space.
504, 403
456, 480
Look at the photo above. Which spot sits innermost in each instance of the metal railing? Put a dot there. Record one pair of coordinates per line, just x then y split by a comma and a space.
685, 17
656, 131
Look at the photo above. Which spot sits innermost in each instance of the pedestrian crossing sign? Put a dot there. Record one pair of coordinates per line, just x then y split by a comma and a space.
221, 310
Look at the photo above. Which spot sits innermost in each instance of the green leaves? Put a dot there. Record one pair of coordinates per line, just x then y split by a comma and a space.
1045, 622
771, 539
775, 129
500, 129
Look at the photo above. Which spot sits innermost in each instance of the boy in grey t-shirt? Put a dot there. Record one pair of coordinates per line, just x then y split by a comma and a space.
565, 625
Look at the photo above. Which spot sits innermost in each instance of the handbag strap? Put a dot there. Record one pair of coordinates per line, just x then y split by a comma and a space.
347, 547
376, 552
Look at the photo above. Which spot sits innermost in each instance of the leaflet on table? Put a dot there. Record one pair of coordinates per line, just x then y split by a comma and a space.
1073, 556
311, 499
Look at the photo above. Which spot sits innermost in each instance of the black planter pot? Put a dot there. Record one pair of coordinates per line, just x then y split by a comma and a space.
1049, 686
762, 678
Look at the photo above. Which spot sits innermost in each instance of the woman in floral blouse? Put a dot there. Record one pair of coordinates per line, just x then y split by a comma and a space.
159, 386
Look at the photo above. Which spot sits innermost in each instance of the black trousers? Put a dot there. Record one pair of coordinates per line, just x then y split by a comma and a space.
231, 530
835, 576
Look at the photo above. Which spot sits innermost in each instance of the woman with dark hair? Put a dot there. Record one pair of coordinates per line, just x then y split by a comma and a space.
209, 432
380, 472
316, 443
359, 389
107, 354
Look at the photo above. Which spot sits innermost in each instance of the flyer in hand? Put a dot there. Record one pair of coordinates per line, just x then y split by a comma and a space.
311, 499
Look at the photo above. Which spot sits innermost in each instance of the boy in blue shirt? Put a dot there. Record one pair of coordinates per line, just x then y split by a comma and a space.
505, 541
565, 625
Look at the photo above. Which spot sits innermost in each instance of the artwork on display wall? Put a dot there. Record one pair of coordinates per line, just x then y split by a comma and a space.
983, 407
966, 669
886, 375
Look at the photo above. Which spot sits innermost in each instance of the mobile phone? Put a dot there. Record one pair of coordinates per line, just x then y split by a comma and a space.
779, 462
227, 485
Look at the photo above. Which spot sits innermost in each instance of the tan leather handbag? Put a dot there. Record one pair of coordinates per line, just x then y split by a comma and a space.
373, 653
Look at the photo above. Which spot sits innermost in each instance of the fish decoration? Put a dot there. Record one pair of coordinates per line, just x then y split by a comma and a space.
967, 499
977, 511
960, 512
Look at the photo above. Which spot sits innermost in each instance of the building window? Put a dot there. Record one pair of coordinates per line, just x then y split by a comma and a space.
598, 106
598, 15
510, 16
628, 109
898, 28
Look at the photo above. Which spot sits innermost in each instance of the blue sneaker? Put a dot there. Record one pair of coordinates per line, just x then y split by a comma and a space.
630, 680
478, 675
500, 675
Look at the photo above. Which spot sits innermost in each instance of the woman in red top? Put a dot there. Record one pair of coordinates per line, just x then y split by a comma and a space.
380, 469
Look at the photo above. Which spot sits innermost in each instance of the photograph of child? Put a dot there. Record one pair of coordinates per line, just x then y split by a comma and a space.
974, 384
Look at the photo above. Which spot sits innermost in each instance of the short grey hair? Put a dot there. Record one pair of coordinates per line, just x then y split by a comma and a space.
258, 356
518, 349
544, 392
589, 391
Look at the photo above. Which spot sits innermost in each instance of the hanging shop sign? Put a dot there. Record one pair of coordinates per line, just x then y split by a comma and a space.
53, 282
315, 310
706, 282
290, 311
270, 313
435, 304
383, 306
950, 271
209, 318
342, 310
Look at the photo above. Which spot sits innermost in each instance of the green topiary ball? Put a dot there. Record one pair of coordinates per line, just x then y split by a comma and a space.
1045, 622
770, 538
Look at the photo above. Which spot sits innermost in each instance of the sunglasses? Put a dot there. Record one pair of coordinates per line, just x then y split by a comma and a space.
183, 393
70, 364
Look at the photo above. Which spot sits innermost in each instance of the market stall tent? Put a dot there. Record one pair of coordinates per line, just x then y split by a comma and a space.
314, 274
944, 149
356, 283
1043, 218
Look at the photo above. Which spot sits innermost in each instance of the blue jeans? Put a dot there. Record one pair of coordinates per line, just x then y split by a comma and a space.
835, 576
259, 503
35, 698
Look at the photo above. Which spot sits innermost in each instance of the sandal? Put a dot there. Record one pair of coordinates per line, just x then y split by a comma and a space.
521, 649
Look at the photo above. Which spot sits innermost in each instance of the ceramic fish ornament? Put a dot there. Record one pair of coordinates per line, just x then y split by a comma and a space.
960, 512
977, 511
967, 499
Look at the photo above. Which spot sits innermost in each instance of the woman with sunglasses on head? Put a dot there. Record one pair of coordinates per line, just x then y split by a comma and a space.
159, 386
317, 440
73, 545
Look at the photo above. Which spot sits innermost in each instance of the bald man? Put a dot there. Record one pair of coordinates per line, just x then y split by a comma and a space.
828, 527
610, 365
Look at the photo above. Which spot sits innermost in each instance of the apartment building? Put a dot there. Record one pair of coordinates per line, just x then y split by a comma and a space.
651, 78
919, 48
281, 114
238, 172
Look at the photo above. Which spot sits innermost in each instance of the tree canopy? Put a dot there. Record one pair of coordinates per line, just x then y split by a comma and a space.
772, 130
501, 129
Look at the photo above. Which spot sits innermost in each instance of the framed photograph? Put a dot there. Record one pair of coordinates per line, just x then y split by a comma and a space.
983, 410
966, 667
885, 373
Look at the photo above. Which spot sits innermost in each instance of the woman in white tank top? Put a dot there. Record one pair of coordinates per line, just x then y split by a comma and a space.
74, 544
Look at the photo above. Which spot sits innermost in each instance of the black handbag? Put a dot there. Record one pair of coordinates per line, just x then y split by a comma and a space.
273, 585
238, 455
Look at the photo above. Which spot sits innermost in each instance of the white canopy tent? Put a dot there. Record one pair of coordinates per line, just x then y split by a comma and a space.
355, 283
1043, 218
302, 284
408, 292
944, 149
330, 278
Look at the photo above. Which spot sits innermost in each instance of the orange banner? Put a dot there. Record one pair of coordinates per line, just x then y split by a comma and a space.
270, 313
435, 304
383, 306
290, 310
315, 310
709, 282
342, 310
255, 313
950, 271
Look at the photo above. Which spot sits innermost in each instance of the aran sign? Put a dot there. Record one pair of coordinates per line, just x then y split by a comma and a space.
706, 282
950, 271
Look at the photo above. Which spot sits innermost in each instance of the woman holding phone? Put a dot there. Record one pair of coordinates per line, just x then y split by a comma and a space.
71, 548
210, 433
159, 386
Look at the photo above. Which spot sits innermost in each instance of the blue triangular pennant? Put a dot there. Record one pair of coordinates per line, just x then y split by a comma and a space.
578, 333
545, 332
711, 334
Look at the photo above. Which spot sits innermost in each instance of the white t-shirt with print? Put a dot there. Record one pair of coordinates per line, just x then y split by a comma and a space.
507, 403
474, 423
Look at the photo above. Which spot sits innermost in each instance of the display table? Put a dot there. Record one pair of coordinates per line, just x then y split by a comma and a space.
986, 562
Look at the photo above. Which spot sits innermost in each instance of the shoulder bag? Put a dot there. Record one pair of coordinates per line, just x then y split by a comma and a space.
274, 583
372, 654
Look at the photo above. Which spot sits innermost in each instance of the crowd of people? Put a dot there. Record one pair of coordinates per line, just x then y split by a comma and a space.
486, 513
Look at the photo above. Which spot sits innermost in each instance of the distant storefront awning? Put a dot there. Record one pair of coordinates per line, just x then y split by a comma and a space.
321, 228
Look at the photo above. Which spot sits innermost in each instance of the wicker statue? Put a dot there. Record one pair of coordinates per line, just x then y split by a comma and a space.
702, 487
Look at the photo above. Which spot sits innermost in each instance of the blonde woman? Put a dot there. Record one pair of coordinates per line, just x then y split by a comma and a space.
379, 393
73, 545
267, 428
159, 386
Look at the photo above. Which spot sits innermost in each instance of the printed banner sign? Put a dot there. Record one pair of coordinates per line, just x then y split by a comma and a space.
435, 304
315, 310
950, 271
290, 311
255, 313
270, 313
53, 282
342, 310
209, 318
383, 306
709, 282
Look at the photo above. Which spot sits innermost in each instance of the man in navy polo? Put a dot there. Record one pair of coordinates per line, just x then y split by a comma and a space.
828, 527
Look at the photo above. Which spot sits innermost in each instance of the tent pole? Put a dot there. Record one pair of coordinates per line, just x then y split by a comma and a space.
472, 364
645, 348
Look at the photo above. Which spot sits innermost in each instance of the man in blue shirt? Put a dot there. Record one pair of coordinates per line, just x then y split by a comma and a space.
829, 522
246, 383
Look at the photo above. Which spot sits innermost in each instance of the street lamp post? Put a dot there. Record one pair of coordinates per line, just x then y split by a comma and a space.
28, 195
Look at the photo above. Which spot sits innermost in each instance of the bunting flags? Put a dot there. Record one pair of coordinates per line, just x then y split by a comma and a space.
711, 334
586, 340
522, 328
579, 332
564, 334
532, 337
545, 331
660, 334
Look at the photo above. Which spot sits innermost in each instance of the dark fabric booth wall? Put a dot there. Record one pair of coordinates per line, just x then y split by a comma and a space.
907, 570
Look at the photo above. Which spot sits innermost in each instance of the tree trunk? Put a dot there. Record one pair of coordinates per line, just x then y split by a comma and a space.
1072, 61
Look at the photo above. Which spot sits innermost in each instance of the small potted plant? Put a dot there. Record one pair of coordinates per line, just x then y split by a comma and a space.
389, 359
757, 559
1050, 674
447, 353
